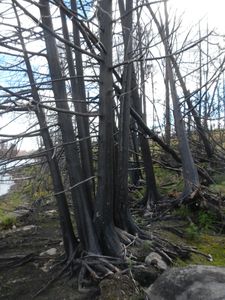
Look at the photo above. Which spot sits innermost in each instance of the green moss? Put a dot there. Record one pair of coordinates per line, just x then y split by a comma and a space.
215, 246
207, 244
218, 188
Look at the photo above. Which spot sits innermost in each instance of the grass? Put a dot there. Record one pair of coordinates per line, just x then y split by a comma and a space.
7, 222
208, 244
219, 185
25, 191
169, 182
9, 203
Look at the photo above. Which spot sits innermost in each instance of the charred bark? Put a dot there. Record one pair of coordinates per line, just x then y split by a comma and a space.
83, 213
104, 222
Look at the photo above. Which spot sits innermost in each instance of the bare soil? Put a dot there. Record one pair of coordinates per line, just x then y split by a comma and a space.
23, 271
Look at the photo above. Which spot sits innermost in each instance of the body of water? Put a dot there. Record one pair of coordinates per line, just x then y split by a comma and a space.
5, 183
6, 180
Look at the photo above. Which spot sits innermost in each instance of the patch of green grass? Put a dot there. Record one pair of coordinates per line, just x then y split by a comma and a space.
183, 211
203, 220
219, 185
26, 191
7, 222
9, 204
207, 244
213, 245
168, 181
206, 220
218, 188
192, 232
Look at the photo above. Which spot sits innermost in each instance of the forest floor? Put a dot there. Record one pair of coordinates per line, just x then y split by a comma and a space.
31, 251
28, 252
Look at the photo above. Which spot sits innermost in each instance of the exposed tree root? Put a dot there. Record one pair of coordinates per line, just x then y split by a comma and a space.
15, 261
94, 268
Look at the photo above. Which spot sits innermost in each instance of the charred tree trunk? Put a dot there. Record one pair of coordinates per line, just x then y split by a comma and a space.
122, 215
151, 196
105, 191
190, 174
79, 97
83, 213
167, 113
70, 242
187, 95
151, 189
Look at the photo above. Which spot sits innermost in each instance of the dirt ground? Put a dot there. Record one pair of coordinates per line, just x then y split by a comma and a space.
29, 257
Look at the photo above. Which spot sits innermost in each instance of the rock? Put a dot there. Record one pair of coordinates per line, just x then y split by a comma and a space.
154, 259
51, 213
27, 227
20, 214
47, 266
23, 207
51, 251
190, 283
145, 275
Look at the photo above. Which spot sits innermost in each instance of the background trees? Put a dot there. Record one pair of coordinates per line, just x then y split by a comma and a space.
87, 74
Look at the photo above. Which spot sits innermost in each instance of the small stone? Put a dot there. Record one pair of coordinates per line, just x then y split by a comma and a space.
28, 227
154, 259
51, 251
44, 269
51, 213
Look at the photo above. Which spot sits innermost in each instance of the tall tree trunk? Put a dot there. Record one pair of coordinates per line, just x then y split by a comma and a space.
122, 215
190, 174
105, 191
83, 213
167, 88
201, 130
151, 189
70, 242
79, 98
151, 195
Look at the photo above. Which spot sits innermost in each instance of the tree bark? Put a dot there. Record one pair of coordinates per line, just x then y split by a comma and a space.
69, 239
83, 213
105, 191
190, 174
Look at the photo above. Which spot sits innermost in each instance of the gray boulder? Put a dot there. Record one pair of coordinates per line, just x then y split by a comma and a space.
190, 283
